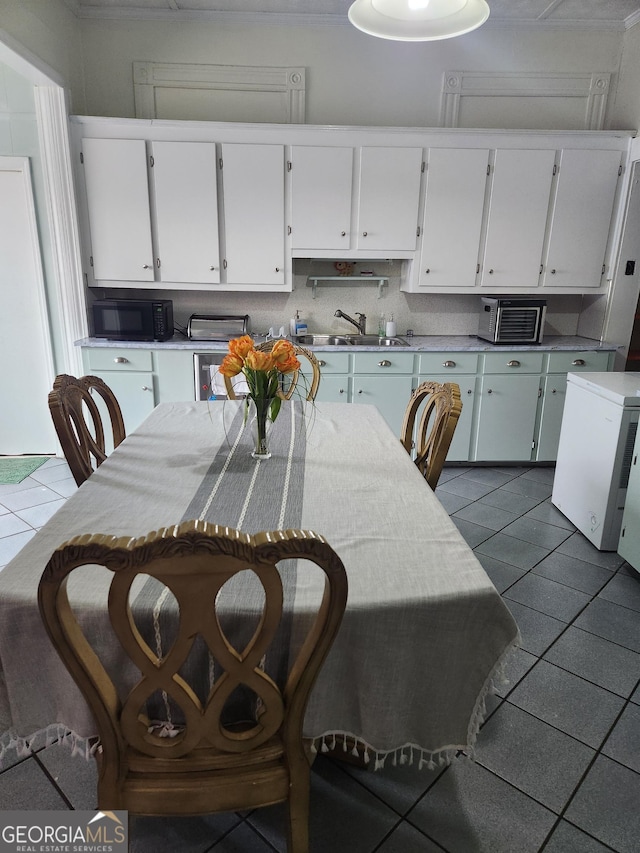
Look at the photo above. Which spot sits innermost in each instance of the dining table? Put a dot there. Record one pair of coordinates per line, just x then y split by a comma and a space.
425, 634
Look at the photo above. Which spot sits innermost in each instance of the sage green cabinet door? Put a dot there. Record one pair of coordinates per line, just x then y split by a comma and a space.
506, 418
334, 388
389, 393
554, 389
629, 544
460, 447
135, 394
175, 375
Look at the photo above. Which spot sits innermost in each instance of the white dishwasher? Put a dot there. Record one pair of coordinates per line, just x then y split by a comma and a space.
599, 425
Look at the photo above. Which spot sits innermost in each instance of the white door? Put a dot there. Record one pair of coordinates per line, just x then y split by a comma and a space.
115, 172
186, 209
25, 346
518, 207
253, 181
388, 200
587, 182
321, 180
453, 210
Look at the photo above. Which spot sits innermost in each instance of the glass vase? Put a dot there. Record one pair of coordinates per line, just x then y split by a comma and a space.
260, 427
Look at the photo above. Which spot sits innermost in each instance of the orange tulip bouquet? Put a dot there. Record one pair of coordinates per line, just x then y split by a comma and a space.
263, 372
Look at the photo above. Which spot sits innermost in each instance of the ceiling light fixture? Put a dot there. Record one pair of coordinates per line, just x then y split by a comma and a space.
418, 20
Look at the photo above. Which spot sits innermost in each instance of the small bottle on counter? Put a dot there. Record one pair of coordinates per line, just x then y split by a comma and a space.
381, 326
293, 324
391, 327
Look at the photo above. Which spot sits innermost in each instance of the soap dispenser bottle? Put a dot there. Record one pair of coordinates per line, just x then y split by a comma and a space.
293, 323
391, 327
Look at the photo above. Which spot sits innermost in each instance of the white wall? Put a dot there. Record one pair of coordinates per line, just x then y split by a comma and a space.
626, 106
352, 78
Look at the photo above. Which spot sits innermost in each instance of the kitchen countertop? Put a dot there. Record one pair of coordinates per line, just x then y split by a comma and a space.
417, 343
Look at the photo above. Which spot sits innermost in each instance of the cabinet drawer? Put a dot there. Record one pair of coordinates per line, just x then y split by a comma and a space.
118, 359
449, 362
577, 362
383, 362
513, 362
332, 362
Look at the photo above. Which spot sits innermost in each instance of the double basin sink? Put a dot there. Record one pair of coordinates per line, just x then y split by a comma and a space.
349, 340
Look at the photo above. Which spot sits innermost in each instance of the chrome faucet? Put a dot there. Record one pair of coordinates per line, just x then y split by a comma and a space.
360, 324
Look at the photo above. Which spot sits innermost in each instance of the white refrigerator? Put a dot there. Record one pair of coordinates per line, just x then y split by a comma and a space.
599, 425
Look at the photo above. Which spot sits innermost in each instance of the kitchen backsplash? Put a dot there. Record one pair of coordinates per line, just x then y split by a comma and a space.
426, 314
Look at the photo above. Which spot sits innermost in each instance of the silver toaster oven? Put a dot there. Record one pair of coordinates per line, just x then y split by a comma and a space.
511, 320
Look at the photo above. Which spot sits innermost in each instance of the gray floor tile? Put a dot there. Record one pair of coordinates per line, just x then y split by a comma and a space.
487, 516
529, 488
37, 516
524, 555
559, 698
517, 667
569, 839
399, 786
490, 476
451, 502
542, 474
623, 744
612, 622
473, 534
10, 545
554, 599
537, 532
636, 695
186, 834
359, 821
622, 589
573, 572
538, 759
470, 809
578, 546
7, 489
466, 488
10, 524
64, 487
598, 660
26, 786
606, 805
29, 497
502, 574
510, 501
538, 630
548, 513
50, 472
76, 777
408, 839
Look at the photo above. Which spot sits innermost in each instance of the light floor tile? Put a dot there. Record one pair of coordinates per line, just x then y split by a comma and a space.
10, 545
37, 516
30, 497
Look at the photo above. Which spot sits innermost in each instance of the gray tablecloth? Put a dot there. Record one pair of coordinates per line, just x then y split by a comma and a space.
424, 634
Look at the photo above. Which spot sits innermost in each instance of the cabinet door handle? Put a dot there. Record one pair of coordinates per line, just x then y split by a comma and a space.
341, 391
364, 233
513, 363
554, 390
553, 272
490, 391
146, 388
121, 360
224, 264
321, 363
360, 391
277, 269
146, 267
448, 364
579, 362
490, 272
384, 363
428, 270
469, 391
343, 233
212, 268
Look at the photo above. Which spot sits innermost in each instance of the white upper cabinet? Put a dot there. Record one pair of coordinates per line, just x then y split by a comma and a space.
388, 197
453, 211
115, 173
186, 211
254, 223
581, 218
517, 218
321, 190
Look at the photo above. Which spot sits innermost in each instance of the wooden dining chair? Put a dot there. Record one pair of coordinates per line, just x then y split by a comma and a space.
293, 378
78, 423
209, 764
438, 421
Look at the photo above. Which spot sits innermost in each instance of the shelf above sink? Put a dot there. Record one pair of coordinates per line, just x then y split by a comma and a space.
314, 281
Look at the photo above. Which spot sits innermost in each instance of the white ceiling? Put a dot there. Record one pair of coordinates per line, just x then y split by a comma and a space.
609, 14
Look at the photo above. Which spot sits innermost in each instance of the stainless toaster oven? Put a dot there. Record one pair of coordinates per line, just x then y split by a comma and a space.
511, 320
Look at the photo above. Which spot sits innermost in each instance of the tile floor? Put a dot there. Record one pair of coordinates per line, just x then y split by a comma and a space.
558, 758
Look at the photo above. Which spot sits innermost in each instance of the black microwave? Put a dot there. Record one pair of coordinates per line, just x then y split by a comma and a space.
133, 319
